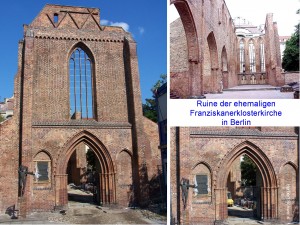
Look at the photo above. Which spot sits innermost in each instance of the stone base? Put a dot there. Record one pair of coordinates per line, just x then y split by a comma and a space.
197, 97
221, 222
286, 88
22, 207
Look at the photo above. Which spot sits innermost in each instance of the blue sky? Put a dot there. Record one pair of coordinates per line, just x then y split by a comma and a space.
146, 20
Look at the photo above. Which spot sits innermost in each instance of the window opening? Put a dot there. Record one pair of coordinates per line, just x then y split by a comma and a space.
81, 97
262, 57
252, 56
242, 57
55, 18
43, 171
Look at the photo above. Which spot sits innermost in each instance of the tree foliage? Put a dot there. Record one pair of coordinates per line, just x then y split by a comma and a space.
159, 83
1, 118
290, 61
248, 169
149, 108
91, 159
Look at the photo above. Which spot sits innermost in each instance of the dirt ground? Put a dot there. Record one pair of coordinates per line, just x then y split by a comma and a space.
82, 210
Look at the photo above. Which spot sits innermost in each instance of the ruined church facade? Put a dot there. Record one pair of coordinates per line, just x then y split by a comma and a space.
207, 55
77, 85
209, 158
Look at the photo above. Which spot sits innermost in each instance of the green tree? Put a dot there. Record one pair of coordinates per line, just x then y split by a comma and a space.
290, 61
248, 169
1, 118
91, 159
149, 108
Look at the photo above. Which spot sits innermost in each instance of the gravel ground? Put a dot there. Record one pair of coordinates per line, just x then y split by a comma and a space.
90, 214
81, 210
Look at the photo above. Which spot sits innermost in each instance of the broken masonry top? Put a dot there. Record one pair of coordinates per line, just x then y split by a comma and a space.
70, 17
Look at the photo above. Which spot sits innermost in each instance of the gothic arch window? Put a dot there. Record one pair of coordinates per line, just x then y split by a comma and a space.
81, 85
262, 56
252, 56
201, 178
242, 56
42, 168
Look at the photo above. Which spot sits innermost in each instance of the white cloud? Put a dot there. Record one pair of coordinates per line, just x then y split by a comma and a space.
124, 25
141, 30
104, 22
121, 24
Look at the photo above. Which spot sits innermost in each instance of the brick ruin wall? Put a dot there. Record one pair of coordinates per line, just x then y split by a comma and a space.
214, 18
203, 154
42, 87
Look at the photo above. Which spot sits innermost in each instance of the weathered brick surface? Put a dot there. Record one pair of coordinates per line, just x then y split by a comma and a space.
155, 156
290, 77
9, 164
120, 136
214, 151
273, 59
203, 40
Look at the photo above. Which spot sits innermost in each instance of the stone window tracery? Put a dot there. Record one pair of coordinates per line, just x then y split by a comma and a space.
81, 91
262, 57
252, 56
242, 57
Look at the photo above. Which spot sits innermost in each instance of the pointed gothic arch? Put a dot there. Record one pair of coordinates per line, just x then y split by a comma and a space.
214, 62
224, 67
201, 176
184, 9
43, 151
261, 47
107, 168
269, 188
252, 55
242, 61
189, 25
42, 162
81, 70
124, 169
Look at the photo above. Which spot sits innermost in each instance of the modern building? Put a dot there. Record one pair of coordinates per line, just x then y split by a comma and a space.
161, 101
7, 107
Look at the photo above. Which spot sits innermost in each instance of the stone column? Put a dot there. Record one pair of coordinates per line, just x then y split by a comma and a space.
61, 192
195, 82
246, 55
220, 203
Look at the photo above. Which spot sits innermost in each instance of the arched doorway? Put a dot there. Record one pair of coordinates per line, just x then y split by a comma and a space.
244, 182
224, 68
105, 170
214, 65
268, 202
195, 77
83, 175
